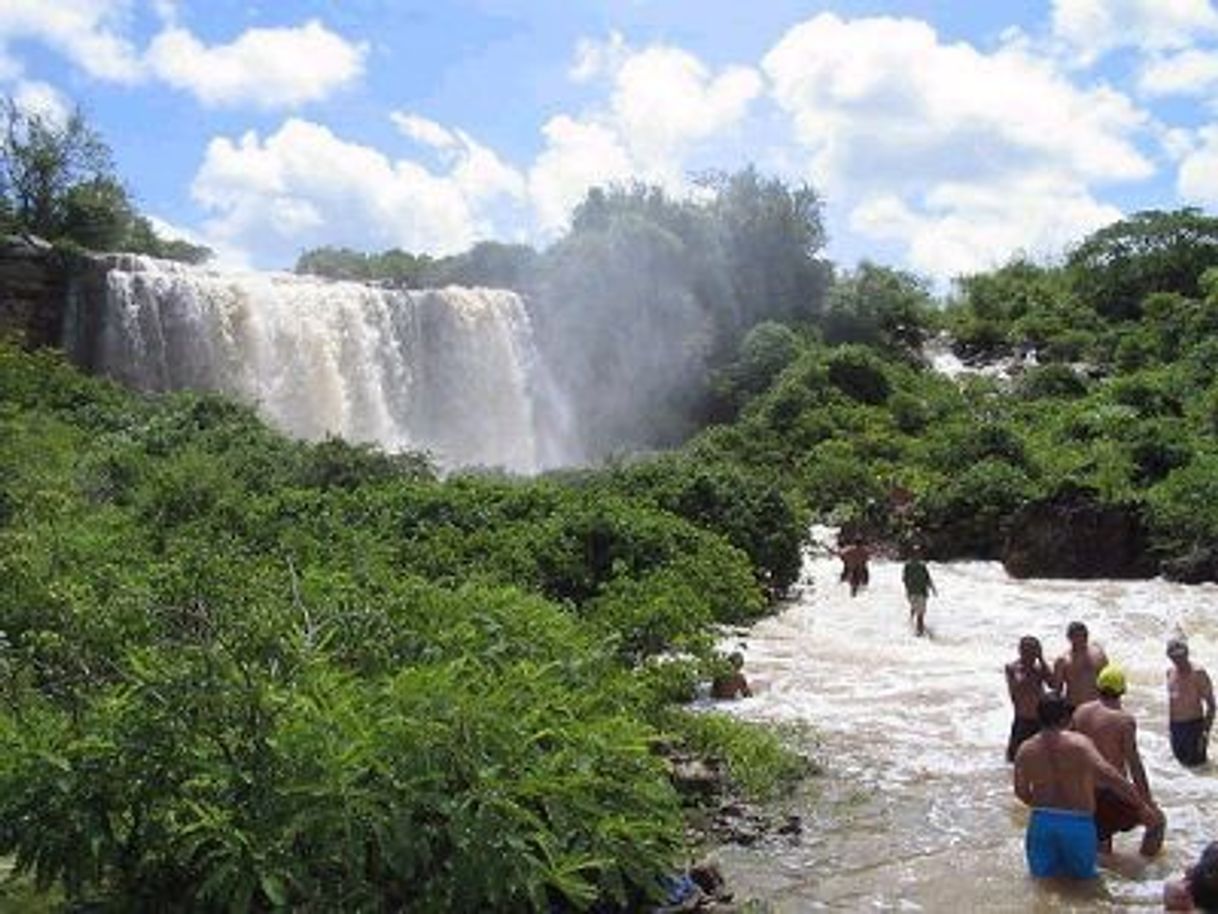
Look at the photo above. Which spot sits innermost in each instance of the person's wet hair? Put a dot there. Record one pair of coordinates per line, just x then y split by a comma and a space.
1053, 710
1076, 628
1029, 643
1203, 879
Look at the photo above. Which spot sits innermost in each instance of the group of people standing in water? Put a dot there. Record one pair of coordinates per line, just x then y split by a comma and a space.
1077, 763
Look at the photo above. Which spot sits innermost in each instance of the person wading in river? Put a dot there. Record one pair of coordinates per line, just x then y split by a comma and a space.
1190, 705
1028, 678
918, 587
1056, 773
1074, 672
854, 565
1115, 734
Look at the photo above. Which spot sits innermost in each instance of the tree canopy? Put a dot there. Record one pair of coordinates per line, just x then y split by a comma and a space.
57, 181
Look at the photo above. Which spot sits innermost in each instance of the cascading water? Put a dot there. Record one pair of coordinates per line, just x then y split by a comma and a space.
915, 810
452, 371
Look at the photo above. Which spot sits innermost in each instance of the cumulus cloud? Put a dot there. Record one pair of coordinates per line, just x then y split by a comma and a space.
1192, 72
1091, 28
87, 32
425, 131
1197, 177
963, 228
42, 99
266, 68
304, 186
663, 103
922, 139
595, 58
262, 67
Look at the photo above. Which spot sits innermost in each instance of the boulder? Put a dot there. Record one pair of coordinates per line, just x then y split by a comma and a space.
1073, 535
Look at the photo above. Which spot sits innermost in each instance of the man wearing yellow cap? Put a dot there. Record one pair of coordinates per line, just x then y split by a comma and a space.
1115, 734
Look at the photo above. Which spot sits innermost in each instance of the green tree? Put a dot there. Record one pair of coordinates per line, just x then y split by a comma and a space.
1114, 269
879, 306
42, 159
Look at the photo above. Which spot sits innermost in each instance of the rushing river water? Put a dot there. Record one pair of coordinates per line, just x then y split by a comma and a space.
915, 809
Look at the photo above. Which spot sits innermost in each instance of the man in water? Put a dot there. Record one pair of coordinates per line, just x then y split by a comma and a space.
1028, 678
854, 565
1074, 672
918, 587
1115, 734
1056, 773
1190, 705
1198, 890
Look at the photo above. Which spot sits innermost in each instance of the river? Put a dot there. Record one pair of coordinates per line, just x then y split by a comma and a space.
915, 810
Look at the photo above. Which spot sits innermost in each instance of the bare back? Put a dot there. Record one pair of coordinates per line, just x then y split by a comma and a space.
1111, 729
1056, 769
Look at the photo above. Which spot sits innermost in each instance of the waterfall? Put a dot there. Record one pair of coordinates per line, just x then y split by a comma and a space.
452, 371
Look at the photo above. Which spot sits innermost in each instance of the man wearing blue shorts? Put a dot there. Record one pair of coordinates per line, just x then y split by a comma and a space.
1056, 773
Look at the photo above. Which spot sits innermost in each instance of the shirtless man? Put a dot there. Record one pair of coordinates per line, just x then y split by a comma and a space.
1190, 705
854, 565
1028, 678
1115, 734
1074, 672
1056, 773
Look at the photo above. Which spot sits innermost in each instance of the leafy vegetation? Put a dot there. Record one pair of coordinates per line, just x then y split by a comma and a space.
57, 181
240, 672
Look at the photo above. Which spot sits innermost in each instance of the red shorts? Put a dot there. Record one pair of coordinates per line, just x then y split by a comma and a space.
1113, 814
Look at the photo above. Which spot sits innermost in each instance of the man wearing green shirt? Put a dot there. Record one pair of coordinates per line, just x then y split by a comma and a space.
918, 587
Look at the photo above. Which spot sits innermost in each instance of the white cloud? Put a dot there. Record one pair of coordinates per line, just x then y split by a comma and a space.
664, 104
964, 228
304, 186
578, 155
267, 68
42, 99
87, 32
423, 130
1091, 28
1191, 72
927, 138
596, 58
1197, 178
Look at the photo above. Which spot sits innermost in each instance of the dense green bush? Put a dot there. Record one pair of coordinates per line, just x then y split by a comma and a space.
239, 672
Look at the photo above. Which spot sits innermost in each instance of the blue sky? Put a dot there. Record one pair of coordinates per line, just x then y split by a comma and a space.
944, 137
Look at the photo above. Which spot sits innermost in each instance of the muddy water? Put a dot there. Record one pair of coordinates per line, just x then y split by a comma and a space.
915, 811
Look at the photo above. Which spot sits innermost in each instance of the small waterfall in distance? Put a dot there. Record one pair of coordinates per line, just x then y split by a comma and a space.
452, 371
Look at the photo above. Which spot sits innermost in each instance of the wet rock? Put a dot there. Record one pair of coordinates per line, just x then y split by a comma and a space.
696, 778
1072, 535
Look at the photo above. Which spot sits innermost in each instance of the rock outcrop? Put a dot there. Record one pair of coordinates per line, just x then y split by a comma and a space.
33, 290
1073, 535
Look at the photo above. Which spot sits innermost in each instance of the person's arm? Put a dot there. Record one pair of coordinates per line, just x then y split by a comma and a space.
1109, 777
1057, 676
1206, 690
1021, 783
1009, 669
1134, 760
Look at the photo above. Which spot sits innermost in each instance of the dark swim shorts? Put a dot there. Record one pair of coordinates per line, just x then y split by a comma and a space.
1021, 728
1188, 739
1113, 814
